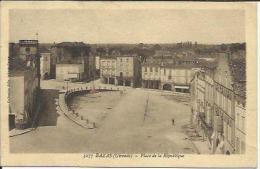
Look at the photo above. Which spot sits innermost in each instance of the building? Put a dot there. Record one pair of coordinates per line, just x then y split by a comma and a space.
238, 69
224, 103
128, 70
72, 72
218, 104
165, 75
240, 124
202, 101
108, 70
73, 61
24, 84
46, 63
151, 74
97, 63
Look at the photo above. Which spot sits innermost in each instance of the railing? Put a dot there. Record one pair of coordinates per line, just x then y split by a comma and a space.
75, 116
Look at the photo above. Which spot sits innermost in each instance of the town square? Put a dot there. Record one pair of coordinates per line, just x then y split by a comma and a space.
126, 83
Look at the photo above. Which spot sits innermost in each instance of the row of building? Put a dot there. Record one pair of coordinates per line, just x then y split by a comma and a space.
161, 71
121, 70
218, 109
29, 62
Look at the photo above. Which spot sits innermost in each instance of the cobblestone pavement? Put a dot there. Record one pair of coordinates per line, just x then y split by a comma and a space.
126, 128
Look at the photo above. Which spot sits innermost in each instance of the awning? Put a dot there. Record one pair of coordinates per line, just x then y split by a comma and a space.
182, 87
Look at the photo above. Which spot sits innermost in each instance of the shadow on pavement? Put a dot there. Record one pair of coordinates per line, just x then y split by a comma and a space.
48, 115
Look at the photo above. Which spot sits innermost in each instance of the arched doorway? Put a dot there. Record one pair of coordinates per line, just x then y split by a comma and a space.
227, 153
111, 80
167, 87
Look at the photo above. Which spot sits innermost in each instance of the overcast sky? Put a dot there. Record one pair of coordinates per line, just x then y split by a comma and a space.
128, 26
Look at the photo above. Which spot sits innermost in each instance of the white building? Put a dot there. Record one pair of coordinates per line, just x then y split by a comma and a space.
108, 70
46, 62
72, 72
167, 76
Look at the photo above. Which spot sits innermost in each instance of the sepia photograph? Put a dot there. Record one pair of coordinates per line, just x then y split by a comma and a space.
125, 82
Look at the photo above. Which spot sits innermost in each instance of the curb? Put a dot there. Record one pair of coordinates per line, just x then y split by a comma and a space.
23, 132
33, 127
64, 107
62, 95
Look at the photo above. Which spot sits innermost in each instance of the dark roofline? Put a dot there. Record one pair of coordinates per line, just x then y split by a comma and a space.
71, 44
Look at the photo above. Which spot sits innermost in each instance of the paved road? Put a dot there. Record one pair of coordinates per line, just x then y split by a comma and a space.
124, 130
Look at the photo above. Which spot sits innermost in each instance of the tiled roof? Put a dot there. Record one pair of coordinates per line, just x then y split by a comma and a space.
71, 44
171, 63
44, 50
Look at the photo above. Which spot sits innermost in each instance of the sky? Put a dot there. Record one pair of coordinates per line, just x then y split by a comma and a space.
128, 26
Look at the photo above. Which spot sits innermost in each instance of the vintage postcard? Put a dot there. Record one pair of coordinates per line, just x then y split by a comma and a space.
124, 84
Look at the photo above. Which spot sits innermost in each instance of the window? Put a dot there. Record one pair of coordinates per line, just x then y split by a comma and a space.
27, 49
156, 69
126, 59
145, 69
169, 77
164, 71
121, 60
151, 69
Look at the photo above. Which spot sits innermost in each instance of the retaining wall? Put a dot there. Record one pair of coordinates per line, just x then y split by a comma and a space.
72, 114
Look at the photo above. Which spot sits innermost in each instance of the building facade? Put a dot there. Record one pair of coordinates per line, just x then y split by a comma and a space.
120, 69
167, 76
108, 70
46, 63
97, 63
224, 103
221, 110
72, 72
202, 102
128, 70
151, 76
24, 81
240, 124
78, 55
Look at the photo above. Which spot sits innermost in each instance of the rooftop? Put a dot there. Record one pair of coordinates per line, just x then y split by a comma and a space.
238, 72
43, 49
71, 44
28, 42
